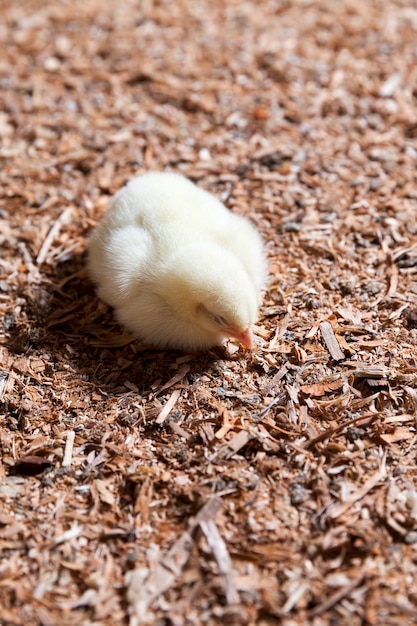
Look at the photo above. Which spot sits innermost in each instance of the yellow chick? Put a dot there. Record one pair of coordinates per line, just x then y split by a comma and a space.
180, 269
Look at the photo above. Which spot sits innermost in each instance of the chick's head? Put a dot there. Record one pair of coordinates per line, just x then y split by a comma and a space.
209, 289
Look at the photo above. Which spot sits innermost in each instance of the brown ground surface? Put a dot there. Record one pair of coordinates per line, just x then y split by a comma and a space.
277, 487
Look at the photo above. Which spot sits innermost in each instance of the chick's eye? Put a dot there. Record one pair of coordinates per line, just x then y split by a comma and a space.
217, 319
220, 321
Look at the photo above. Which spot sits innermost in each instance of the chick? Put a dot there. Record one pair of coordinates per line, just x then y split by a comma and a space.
180, 269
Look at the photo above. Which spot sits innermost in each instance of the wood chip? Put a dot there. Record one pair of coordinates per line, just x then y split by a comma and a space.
62, 220
175, 379
69, 445
320, 389
337, 596
168, 406
235, 444
340, 509
31, 465
222, 557
331, 341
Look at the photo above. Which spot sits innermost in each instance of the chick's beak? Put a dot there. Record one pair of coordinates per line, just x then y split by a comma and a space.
245, 337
